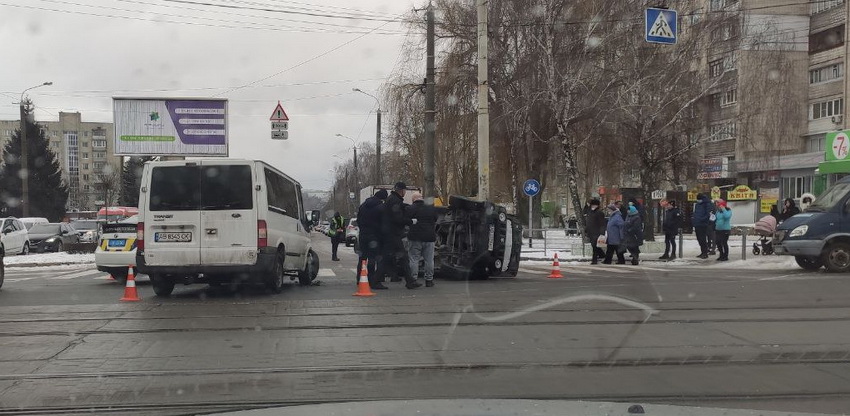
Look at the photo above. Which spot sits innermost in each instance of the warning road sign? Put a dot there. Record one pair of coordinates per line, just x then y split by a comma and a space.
279, 114
661, 26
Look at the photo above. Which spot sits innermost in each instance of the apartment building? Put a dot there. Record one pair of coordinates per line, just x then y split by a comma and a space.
86, 156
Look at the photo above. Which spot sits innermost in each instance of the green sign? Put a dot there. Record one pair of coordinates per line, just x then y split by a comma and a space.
147, 138
837, 145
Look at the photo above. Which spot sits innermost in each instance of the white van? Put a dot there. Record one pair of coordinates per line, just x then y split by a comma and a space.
219, 221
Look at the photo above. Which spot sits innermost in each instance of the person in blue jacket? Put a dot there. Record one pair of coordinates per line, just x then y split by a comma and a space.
614, 230
723, 227
702, 211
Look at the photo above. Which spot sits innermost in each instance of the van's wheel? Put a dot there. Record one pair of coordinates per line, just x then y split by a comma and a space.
809, 263
836, 258
274, 281
161, 287
311, 269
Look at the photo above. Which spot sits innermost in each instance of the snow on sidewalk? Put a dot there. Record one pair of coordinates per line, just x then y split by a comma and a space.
48, 259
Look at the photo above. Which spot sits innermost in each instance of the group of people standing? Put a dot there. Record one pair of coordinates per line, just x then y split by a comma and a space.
623, 231
383, 220
712, 222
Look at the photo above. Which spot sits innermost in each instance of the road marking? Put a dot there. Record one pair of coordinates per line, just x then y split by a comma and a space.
326, 273
74, 275
19, 279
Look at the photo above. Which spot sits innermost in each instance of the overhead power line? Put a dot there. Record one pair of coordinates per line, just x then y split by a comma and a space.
296, 12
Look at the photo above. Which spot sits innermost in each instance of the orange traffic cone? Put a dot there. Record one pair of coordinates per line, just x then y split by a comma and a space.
556, 269
363, 288
130, 293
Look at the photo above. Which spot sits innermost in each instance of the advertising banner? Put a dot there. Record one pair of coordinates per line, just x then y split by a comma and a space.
742, 193
170, 127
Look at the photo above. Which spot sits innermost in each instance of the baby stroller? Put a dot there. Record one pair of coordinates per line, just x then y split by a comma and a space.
765, 228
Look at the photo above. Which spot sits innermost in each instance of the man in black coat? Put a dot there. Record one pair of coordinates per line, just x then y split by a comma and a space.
594, 227
671, 225
422, 237
393, 222
369, 220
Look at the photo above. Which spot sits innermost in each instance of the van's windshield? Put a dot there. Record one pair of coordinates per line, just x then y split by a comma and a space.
189, 188
830, 198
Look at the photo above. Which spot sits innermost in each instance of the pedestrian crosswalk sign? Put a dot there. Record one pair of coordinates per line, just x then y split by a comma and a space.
661, 26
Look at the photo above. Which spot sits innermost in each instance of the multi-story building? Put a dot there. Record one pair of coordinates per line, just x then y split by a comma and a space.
85, 152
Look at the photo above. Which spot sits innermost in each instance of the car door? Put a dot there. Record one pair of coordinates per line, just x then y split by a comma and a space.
173, 214
21, 233
228, 213
10, 241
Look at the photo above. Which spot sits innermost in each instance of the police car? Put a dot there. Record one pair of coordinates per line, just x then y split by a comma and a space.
116, 250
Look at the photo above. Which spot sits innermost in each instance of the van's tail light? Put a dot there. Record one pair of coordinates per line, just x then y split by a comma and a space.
262, 234
140, 236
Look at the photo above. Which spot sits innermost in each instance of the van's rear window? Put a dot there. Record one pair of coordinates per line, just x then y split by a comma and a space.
188, 188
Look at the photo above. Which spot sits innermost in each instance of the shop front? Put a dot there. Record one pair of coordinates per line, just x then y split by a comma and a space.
836, 164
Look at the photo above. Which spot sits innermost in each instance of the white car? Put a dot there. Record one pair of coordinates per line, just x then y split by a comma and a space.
14, 238
30, 221
116, 250
221, 221
89, 230
351, 233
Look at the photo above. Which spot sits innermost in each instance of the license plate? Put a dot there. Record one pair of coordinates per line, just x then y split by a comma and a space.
172, 237
117, 243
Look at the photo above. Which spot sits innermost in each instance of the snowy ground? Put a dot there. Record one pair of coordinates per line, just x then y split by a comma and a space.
49, 258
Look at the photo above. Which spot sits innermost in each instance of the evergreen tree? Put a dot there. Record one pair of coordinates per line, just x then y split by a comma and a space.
131, 180
48, 193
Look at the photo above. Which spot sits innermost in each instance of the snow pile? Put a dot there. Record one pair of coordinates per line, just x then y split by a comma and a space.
49, 258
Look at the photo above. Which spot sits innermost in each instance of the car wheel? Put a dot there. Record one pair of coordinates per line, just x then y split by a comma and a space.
59, 247
836, 258
311, 269
26, 249
161, 287
274, 281
809, 263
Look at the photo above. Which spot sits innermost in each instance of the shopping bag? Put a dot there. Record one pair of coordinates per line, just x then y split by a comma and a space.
602, 241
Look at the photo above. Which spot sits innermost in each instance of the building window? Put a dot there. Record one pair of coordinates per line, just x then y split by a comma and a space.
85, 155
815, 144
729, 97
85, 166
826, 40
85, 176
715, 68
824, 5
826, 109
98, 166
826, 73
86, 188
85, 144
795, 187
98, 144
722, 131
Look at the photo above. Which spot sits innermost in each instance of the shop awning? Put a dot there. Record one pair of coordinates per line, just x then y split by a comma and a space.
834, 166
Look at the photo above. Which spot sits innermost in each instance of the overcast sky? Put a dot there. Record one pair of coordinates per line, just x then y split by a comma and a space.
93, 58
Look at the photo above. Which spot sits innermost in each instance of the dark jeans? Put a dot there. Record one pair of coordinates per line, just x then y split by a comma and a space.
702, 238
670, 244
395, 262
609, 254
597, 252
723, 243
711, 238
370, 251
334, 246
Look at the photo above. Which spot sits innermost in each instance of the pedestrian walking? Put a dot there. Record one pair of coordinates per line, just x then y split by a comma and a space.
593, 228
614, 233
422, 237
702, 211
369, 221
723, 225
632, 235
336, 233
671, 224
790, 209
393, 221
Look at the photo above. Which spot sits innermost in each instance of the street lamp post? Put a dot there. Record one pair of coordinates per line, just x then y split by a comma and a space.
356, 170
377, 137
25, 181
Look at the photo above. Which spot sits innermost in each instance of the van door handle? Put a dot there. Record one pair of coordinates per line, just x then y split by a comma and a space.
236, 215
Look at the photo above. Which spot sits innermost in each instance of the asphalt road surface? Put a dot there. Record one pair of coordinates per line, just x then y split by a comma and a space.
773, 340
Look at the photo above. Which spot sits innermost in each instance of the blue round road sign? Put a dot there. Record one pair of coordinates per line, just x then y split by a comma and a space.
531, 187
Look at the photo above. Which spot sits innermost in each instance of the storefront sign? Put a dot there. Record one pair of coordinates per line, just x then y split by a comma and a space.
714, 168
742, 193
715, 192
769, 198
837, 144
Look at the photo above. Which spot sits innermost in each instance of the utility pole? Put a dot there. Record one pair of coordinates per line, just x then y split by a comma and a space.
25, 173
430, 108
378, 178
483, 106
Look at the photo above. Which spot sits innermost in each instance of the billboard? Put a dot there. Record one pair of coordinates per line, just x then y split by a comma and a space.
170, 127
714, 168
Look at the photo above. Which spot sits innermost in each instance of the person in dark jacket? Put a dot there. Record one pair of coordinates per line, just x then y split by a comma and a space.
670, 225
422, 237
702, 211
790, 210
594, 227
369, 240
393, 222
615, 231
632, 235
337, 235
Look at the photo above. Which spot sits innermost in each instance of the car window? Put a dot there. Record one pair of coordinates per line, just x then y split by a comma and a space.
281, 193
830, 198
45, 229
175, 188
226, 187
19, 225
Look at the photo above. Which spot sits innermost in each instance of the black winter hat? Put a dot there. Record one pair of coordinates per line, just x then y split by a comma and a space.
382, 194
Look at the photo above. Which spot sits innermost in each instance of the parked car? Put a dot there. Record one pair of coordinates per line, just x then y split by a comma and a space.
89, 230
819, 237
221, 221
14, 237
52, 237
116, 250
352, 232
30, 221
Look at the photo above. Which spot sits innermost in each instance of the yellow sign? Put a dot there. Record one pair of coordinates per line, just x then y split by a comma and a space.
742, 193
715, 192
767, 204
692, 196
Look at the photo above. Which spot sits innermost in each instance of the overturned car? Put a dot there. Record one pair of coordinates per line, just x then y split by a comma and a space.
476, 240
